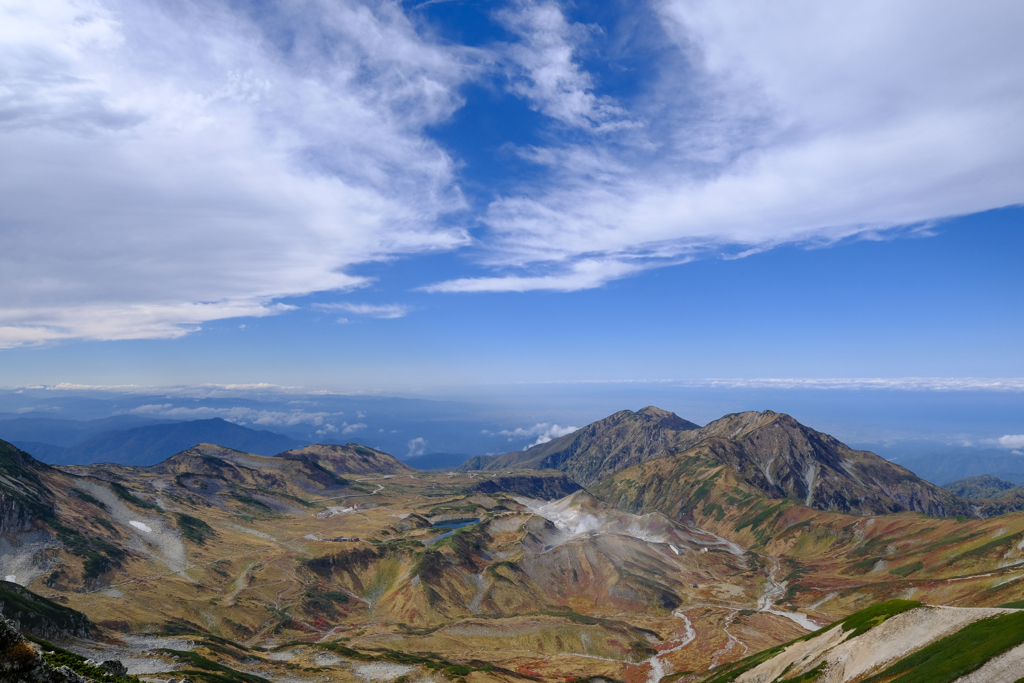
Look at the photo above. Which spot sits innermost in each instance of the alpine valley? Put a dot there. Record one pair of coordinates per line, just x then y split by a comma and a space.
641, 548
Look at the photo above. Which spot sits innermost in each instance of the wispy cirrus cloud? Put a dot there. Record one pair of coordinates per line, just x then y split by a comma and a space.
545, 70
582, 274
386, 311
186, 164
784, 123
1011, 384
988, 384
166, 166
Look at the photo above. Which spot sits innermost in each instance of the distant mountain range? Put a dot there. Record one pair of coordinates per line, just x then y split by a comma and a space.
132, 440
769, 453
944, 464
141, 445
989, 496
66, 433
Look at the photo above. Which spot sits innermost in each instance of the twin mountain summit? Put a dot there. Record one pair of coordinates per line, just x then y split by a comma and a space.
642, 547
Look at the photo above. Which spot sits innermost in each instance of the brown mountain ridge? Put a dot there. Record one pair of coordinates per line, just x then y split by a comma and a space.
599, 449
770, 452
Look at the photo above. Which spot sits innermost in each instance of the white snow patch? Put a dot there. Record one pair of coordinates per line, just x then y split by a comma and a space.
11, 577
381, 671
141, 526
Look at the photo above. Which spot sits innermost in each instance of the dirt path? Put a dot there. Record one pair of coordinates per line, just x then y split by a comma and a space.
380, 487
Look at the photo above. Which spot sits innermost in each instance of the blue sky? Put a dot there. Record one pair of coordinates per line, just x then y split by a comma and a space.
426, 198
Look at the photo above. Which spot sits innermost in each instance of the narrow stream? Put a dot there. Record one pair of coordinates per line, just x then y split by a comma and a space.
659, 668
773, 592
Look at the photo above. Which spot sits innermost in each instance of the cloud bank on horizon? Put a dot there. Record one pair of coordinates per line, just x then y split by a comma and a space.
170, 164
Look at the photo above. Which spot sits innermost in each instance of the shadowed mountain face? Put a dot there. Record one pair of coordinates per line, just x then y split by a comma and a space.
23, 495
774, 455
350, 458
599, 449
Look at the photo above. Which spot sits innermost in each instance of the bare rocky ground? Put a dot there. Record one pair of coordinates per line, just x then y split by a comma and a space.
137, 653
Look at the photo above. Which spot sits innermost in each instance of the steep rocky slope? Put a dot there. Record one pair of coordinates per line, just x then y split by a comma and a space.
23, 495
31, 613
348, 459
771, 453
599, 449
785, 459
899, 641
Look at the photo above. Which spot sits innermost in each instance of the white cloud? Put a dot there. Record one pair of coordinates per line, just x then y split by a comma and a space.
542, 430
166, 167
1011, 441
327, 429
546, 73
989, 384
780, 123
583, 274
348, 429
417, 446
386, 311
238, 414
1014, 384
1016, 452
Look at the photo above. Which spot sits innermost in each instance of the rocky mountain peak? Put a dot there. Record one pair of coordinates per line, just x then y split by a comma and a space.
666, 419
601, 448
